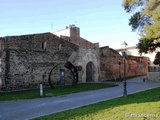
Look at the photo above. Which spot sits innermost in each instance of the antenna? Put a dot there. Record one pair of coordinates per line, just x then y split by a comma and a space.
51, 26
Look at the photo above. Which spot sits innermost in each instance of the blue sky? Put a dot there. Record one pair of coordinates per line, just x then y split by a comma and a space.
103, 21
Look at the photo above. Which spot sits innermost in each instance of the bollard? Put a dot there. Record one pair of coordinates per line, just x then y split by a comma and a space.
41, 89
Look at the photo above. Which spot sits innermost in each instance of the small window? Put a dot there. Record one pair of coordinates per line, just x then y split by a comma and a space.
60, 47
44, 45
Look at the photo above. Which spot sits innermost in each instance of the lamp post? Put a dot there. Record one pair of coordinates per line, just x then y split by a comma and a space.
119, 63
124, 44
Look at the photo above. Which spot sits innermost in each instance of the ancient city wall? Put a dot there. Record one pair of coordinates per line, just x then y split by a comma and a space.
27, 60
72, 34
137, 66
81, 42
86, 56
110, 69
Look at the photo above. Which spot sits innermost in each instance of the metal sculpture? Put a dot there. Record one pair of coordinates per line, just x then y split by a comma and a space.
74, 72
69, 66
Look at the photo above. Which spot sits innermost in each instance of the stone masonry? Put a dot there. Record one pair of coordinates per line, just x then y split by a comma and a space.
111, 70
27, 60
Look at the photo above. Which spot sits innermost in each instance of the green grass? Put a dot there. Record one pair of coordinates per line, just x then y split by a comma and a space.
122, 108
62, 90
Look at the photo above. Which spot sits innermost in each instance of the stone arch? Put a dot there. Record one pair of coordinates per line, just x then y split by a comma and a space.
90, 72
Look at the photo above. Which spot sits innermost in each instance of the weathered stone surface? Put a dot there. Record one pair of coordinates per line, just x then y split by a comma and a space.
84, 57
110, 69
27, 62
28, 59
153, 76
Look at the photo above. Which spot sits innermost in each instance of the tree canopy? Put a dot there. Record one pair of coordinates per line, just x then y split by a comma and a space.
157, 59
145, 20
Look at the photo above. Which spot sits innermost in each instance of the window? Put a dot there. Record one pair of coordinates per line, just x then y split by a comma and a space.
60, 47
44, 45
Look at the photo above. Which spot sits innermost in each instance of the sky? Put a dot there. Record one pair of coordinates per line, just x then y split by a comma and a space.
103, 21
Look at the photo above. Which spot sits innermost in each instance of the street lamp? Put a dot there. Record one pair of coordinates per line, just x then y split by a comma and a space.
119, 63
124, 54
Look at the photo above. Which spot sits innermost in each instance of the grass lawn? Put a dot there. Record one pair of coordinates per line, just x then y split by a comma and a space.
62, 90
139, 106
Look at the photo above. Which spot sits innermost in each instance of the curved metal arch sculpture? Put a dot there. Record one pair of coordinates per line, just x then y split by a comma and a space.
74, 72
49, 78
69, 66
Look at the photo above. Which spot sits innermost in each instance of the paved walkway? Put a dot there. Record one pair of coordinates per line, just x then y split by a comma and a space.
27, 109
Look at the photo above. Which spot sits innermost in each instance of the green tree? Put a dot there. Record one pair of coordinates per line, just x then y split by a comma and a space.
145, 19
157, 59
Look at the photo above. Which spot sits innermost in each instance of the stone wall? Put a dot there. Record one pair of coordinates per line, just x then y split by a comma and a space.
110, 69
28, 59
72, 34
137, 66
84, 57
153, 73
153, 76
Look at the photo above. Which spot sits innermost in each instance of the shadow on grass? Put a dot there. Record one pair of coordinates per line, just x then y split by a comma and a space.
61, 90
152, 95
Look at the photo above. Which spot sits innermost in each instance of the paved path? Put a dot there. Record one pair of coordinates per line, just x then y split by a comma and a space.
27, 109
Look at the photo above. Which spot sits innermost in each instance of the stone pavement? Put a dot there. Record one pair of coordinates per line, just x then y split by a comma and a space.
27, 109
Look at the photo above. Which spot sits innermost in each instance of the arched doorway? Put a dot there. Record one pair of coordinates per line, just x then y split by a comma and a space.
90, 69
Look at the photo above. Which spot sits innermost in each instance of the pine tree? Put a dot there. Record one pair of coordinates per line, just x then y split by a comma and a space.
146, 19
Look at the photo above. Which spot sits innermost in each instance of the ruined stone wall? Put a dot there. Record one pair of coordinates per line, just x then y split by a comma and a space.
85, 43
27, 60
81, 42
136, 66
88, 52
76, 39
72, 34
110, 69
85, 56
